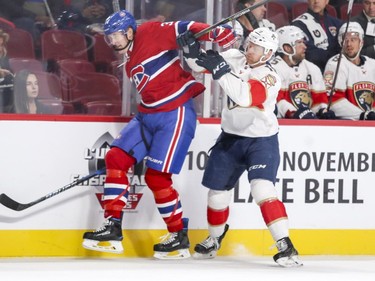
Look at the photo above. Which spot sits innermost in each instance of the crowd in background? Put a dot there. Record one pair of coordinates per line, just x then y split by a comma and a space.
87, 16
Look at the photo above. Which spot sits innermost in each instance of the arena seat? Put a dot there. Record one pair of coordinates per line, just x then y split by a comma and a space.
20, 44
103, 55
299, 8
356, 10
17, 64
103, 108
277, 13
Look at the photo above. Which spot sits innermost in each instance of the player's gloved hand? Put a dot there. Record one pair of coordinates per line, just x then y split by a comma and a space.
190, 46
223, 35
367, 115
323, 113
214, 63
301, 113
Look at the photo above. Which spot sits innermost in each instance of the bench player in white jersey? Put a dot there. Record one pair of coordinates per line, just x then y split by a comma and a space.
303, 94
248, 142
353, 93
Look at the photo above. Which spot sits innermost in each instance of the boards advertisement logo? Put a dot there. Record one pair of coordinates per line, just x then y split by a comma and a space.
136, 174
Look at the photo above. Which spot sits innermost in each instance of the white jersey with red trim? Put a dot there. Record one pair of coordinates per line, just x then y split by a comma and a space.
354, 88
251, 97
301, 86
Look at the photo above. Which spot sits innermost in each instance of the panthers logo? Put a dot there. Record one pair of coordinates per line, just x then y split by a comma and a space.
364, 94
300, 94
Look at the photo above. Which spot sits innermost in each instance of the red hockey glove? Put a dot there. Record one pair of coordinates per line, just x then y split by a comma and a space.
223, 35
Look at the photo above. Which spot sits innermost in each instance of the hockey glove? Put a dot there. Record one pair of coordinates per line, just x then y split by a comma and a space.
367, 115
223, 35
190, 46
214, 63
323, 113
304, 113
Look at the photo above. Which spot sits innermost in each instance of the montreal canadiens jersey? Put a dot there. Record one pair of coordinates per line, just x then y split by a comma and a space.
154, 66
249, 112
301, 86
356, 83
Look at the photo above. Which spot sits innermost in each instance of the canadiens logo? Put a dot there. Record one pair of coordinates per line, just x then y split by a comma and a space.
300, 94
140, 78
364, 94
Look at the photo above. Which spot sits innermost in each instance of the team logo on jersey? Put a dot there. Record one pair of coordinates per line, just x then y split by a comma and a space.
364, 94
300, 94
139, 76
333, 30
269, 81
328, 79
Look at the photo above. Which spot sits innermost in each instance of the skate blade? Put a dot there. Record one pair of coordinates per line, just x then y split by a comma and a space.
103, 246
175, 255
292, 261
200, 256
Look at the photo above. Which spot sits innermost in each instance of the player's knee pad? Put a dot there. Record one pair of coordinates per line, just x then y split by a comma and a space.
118, 162
160, 183
262, 190
219, 199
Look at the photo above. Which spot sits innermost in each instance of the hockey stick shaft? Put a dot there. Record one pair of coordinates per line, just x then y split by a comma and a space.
230, 18
349, 13
16, 206
49, 14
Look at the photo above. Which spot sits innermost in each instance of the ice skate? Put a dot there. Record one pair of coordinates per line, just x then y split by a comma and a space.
107, 238
287, 255
209, 247
174, 245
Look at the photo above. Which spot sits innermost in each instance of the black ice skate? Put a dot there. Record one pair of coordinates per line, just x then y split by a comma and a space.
209, 247
287, 255
174, 245
106, 238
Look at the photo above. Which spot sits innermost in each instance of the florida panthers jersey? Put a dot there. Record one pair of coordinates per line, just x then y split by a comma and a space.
154, 66
354, 88
251, 97
301, 86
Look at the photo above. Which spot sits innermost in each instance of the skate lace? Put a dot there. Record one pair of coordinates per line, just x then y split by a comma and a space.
168, 238
210, 242
103, 227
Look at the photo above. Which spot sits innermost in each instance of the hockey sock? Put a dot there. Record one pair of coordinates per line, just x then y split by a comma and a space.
166, 198
116, 186
217, 211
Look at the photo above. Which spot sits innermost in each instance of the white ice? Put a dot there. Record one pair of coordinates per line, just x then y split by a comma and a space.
318, 268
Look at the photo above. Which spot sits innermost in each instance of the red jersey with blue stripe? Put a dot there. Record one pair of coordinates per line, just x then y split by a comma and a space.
154, 66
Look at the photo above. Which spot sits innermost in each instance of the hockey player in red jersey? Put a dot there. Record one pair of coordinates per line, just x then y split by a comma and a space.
353, 96
162, 130
248, 142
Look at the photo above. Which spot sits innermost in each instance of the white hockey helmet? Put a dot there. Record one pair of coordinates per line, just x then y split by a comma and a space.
354, 27
288, 35
264, 37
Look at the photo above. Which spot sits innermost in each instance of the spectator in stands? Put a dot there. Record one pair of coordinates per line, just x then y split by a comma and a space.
303, 93
251, 20
367, 21
6, 76
321, 30
26, 91
354, 90
15, 12
79, 15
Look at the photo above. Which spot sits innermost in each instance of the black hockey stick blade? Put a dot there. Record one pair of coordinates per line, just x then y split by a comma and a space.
230, 18
16, 206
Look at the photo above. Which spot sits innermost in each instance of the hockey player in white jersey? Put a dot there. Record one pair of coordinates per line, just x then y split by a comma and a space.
353, 93
303, 93
248, 142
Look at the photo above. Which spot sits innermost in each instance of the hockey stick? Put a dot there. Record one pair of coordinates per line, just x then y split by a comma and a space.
230, 18
14, 205
54, 26
349, 13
